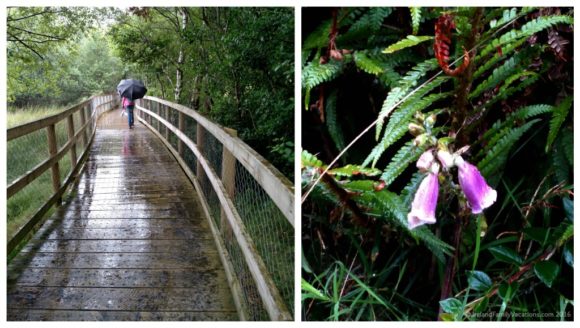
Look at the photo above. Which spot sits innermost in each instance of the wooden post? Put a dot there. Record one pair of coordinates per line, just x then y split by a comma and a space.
53, 150
181, 126
166, 116
228, 175
199, 144
83, 121
71, 135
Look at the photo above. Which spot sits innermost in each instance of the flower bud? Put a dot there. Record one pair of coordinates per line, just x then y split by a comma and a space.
430, 120
421, 140
420, 117
416, 129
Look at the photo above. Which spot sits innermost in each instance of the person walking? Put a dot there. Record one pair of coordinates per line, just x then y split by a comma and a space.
129, 105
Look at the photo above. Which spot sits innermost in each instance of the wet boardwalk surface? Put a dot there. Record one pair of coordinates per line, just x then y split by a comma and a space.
130, 244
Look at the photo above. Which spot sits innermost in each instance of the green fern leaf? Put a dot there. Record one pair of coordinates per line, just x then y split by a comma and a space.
523, 113
367, 64
352, 170
498, 75
558, 116
309, 160
410, 41
332, 121
314, 73
560, 163
406, 155
566, 141
410, 189
318, 38
529, 29
399, 121
372, 20
497, 155
416, 18
406, 83
386, 203
504, 92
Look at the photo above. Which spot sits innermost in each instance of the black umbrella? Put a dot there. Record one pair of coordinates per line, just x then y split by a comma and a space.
132, 89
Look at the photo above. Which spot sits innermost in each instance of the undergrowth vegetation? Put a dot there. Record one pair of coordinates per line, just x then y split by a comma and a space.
488, 86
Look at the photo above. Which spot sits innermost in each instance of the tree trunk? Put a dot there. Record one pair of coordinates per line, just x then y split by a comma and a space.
181, 57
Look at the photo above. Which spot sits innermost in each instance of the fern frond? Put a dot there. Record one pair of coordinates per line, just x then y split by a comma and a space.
367, 64
399, 121
566, 144
558, 116
410, 41
504, 92
389, 204
489, 63
523, 113
406, 155
310, 160
372, 20
529, 29
352, 170
332, 121
396, 94
560, 163
497, 155
498, 75
415, 18
319, 37
315, 73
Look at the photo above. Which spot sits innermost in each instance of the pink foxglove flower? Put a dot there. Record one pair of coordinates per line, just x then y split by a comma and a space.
424, 162
425, 201
478, 193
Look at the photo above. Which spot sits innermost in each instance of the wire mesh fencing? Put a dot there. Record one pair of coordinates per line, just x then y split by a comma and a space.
41, 156
257, 235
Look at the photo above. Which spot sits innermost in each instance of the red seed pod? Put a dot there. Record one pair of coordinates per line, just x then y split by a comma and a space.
443, 28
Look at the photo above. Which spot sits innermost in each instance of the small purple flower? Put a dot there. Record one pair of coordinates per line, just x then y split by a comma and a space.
424, 162
425, 201
478, 193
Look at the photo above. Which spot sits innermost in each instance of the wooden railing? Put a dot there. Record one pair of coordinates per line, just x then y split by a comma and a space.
229, 177
86, 115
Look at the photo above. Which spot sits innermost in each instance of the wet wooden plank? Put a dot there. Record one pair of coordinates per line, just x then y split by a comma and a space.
135, 214
194, 260
125, 233
119, 278
130, 244
83, 315
122, 246
120, 299
153, 224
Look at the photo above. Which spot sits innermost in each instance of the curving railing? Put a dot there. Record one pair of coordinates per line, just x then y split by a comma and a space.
35, 147
248, 202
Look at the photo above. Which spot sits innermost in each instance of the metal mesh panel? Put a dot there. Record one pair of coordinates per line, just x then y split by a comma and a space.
271, 232
27, 201
25, 153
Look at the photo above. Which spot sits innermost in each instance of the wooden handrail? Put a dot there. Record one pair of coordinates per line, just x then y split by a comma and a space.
271, 298
55, 155
274, 183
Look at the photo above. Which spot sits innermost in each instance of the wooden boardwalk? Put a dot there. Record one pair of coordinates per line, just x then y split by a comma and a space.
130, 244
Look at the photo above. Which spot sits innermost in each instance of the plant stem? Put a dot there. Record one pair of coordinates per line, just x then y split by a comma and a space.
450, 269
465, 81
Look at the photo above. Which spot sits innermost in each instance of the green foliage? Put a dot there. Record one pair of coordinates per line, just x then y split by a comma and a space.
558, 116
410, 41
416, 18
367, 64
497, 151
508, 113
398, 93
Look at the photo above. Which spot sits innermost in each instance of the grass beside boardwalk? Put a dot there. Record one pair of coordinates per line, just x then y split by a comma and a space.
22, 155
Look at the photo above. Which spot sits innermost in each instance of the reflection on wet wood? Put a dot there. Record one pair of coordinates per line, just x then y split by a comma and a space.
130, 244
